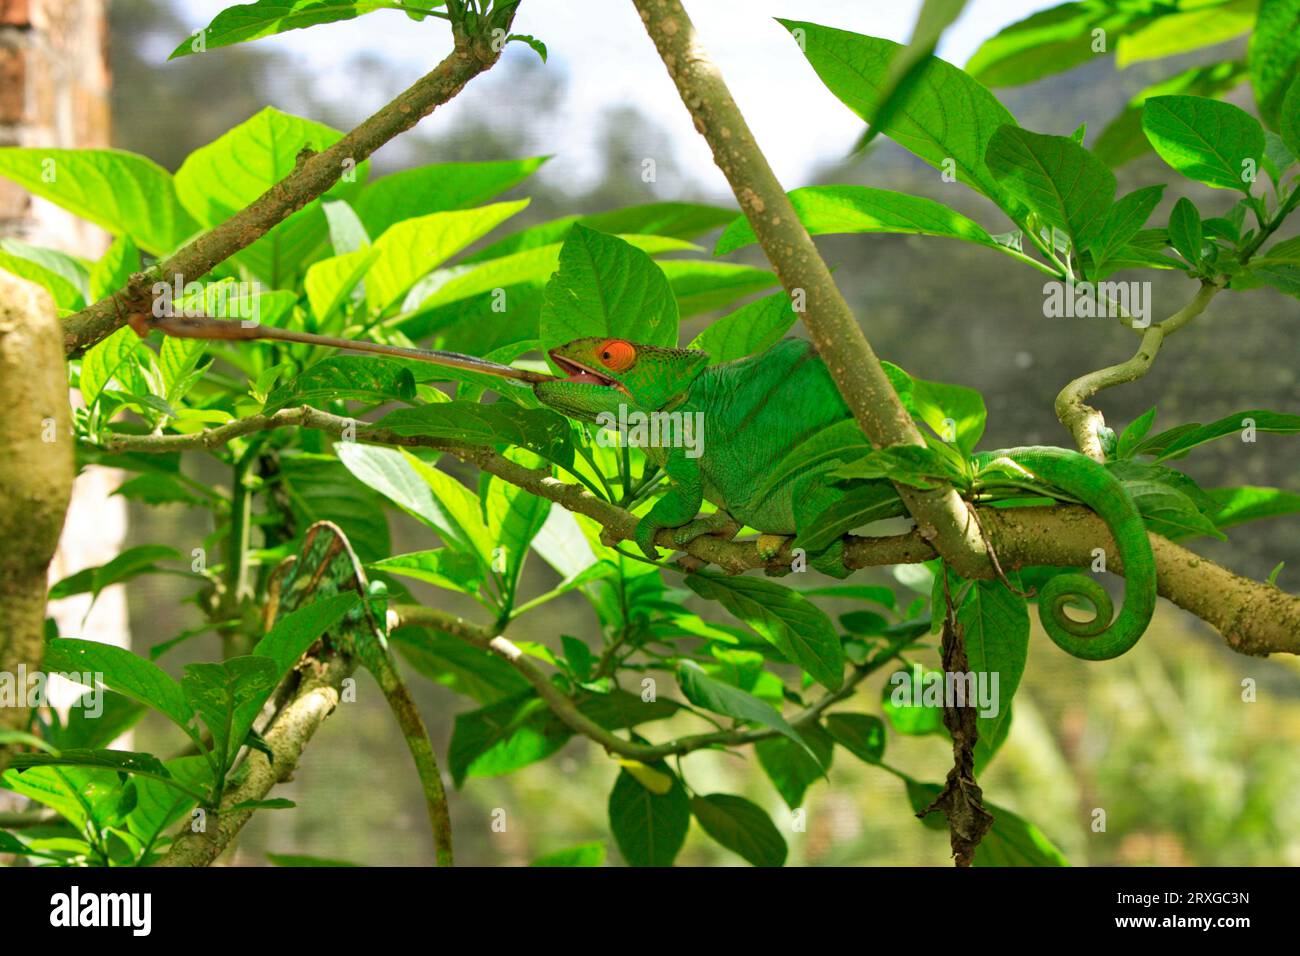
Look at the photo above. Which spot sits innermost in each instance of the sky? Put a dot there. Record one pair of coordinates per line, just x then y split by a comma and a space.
607, 60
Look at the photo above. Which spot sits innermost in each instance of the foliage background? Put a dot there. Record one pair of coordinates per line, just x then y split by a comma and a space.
1188, 772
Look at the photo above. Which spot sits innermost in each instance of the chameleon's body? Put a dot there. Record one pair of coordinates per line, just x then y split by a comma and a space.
756, 410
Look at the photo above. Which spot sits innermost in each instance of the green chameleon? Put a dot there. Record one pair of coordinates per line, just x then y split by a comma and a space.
756, 410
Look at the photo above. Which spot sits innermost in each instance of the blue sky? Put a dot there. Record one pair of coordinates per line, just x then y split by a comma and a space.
603, 52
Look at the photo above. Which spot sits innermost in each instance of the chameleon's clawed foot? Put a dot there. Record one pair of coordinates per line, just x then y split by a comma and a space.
770, 545
719, 524
645, 537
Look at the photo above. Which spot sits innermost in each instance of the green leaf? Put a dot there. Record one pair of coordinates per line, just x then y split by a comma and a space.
790, 767
605, 287
1048, 42
451, 662
1289, 124
218, 691
347, 232
65, 294
860, 505
1170, 502
129, 564
1274, 54
855, 592
114, 269
114, 715
441, 567
860, 734
947, 116
722, 698
1126, 217
995, 628
1177, 442
830, 210
106, 360
1234, 506
1123, 140
649, 828
297, 859
700, 286
125, 761
539, 430
441, 187
297, 631
784, 618
121, 671
904, 701
532, 42
913, 465
416, 246
126, 194
676, 220
1210, 141
1068, 187
514, 518
360, 378
276, 803
1178, 32
1185, 233
504, 736
1134, 433
320, 487
220, 179
741, 827
584, 854
747, 331
329, 282
954, 412
264, 18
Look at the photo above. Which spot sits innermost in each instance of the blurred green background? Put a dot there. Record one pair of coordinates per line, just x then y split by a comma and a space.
1187, 771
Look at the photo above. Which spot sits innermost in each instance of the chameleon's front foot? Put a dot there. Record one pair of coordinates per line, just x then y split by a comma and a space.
770, 545
645, 537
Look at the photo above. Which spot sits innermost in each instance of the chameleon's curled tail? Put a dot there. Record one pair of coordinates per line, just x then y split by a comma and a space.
1101, 638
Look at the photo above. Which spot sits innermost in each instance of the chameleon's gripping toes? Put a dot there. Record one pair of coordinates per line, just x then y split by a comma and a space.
1100, 638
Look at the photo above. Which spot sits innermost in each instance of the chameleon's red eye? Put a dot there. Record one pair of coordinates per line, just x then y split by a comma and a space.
617, 355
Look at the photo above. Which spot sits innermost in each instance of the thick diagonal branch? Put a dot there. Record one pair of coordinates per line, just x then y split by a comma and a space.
941, 516
310, 179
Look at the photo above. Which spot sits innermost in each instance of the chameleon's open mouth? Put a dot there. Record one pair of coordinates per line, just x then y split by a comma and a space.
577, 372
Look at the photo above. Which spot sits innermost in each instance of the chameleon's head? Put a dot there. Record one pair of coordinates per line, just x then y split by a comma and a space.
600, 374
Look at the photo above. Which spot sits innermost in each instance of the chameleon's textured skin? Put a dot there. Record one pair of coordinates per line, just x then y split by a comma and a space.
756, 410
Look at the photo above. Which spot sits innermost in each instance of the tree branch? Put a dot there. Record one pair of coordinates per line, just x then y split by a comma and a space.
940, 514
1084, 422
1253, 617
310, 179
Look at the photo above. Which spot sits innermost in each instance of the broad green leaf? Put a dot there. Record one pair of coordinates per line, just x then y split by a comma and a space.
1134, 433
1177, 442
85, 796
414, 247
105, 360
1123, 140
1234, 506
722, 698
114, 714
584, 854
856, 592
741, 827
1210, 141
790, 767
700, 286
948, 115
784, 618
321, 487
451, 662
264, 18
675, 220
218, 691
1289, 123
995, 630
347, 231
514, 517
124, 193
125, 761
459, 518
66, 296
912, 701
913, 465
1171, 503
605, 287
955, 413
441, 567
1185, 232
539, 430
330, 282
121, 671
860, 734
114, 268
1068, 187
440, 187
1274, 55
220, 179
649, 828
158, 805
747, 331
1176, 33
132, 562
1049, 41
361, 378
829, 210
71, 269
1126, 217
860, 505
